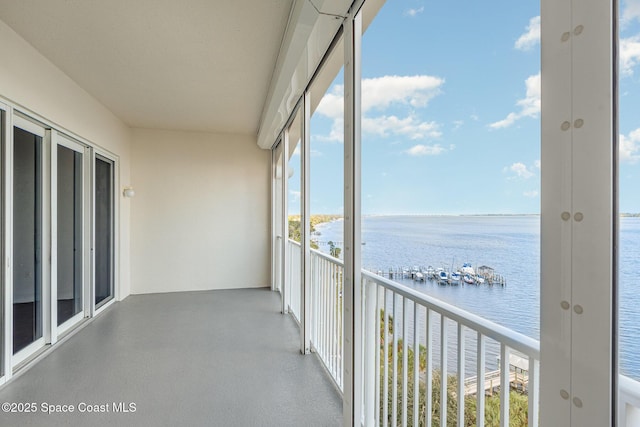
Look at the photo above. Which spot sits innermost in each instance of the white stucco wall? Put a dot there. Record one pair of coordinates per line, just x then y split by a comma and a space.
201, 214
29, 80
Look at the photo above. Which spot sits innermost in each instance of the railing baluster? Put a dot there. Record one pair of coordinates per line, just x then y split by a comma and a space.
533, 391
461, 360
385, 397
369, 355
429, 369
405, 360
326, 327
313, 260
416, 366
377, 367
504, 385
443, 371
394, 354
480, 382
334, 326
340, 310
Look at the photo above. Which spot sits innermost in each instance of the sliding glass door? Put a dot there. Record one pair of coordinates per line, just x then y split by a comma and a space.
70, 233
103, 230
28, 225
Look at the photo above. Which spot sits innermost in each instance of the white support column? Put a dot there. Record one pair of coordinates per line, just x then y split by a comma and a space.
593, 215
285, 220
555, 238
53, 247
47, 301
352, 397
6, 157
305, 274
274, 220
577, 224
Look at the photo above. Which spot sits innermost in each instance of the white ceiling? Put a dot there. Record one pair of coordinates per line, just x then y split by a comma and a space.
201, 65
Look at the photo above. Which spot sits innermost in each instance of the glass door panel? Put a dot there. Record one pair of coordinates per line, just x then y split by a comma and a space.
69, 233
103, 243
27, 238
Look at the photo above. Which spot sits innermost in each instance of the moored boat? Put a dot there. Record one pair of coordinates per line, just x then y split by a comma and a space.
455, 278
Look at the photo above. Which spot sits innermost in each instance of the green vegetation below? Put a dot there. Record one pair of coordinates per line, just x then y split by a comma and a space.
518, 402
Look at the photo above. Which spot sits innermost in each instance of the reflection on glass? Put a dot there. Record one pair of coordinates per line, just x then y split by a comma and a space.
27, 241
69, 233
103, 231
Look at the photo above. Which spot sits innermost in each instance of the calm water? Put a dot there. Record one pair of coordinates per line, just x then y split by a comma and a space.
509, 244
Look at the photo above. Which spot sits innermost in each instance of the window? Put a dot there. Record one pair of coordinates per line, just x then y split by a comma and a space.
103, 230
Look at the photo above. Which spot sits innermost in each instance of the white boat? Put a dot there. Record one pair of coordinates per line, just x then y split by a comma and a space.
430, 273
467, 278
442, 276
418, 276
479, 280
455, 278
468, 269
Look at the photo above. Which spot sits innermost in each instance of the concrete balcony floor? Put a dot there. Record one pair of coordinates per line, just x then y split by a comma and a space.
218, 358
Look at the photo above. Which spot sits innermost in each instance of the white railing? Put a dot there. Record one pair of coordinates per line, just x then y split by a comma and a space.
292, 293
465, 349
326, 312
399, 320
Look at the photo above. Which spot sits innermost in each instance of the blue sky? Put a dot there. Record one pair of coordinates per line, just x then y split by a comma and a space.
451, 112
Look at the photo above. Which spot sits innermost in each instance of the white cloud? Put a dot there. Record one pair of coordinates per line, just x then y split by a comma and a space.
457, 124
531, 194
414, 12
532, 37
332, 104
295, 195
537, 164
425, 150
630, 12
416, 91
519, 170
629, 54
630, 147
409, 126
378, 94
529, 106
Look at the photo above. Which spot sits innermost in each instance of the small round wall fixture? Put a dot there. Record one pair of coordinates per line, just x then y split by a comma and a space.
128, 192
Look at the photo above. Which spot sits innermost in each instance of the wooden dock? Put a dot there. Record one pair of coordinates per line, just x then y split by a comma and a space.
517, 381
518, 377
487, 275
